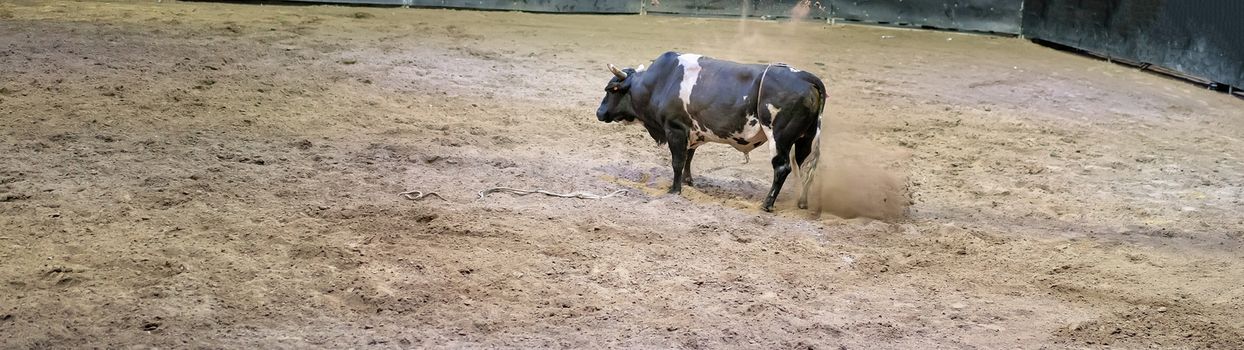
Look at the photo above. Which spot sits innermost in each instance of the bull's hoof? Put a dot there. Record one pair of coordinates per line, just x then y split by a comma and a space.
767, 208
687, 181
675, 190
803, 205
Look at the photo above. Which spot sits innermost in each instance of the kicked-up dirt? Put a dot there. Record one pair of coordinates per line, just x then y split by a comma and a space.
204, 175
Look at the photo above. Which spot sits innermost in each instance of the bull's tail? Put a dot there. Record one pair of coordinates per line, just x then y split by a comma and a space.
808, 172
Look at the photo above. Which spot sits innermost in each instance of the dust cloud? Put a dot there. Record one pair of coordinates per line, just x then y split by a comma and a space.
859, 178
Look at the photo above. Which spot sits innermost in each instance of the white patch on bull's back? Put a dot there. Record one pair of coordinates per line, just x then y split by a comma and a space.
753, 131
641, 68
792, 69
690, 74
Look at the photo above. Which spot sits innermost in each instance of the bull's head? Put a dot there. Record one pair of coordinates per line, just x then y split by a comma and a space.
617, 103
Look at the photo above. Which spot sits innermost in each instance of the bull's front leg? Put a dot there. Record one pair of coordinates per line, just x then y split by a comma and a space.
677, 140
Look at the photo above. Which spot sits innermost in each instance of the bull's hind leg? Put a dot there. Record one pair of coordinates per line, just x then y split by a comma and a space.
781, 166
805, 147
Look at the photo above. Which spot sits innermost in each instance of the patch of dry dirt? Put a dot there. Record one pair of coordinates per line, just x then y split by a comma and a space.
221, 175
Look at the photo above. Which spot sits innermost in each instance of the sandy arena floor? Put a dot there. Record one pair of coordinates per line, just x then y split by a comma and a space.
225, 176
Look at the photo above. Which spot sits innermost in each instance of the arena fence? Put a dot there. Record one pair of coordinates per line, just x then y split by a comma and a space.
1195, 38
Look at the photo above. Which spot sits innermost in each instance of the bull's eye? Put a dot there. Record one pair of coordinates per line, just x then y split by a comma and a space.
615, 88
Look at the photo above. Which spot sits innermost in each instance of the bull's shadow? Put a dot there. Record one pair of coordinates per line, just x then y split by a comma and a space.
653, 181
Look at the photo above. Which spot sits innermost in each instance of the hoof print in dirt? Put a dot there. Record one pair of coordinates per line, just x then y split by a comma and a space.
435, 159
502, 140
242, 159
106, 138
450, 142
761, 220
204, 84
13, 197
303, 145
62, 277
63, 137
423, 219
502, 163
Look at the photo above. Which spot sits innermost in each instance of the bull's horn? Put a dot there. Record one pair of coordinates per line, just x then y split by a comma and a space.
617, 72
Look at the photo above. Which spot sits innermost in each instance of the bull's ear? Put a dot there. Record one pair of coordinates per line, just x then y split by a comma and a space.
641, 68
618, 72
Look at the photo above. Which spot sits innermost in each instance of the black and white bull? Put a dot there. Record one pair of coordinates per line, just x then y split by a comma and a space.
687, 100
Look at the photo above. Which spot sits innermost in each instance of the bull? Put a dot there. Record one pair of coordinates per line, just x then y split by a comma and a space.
688, 100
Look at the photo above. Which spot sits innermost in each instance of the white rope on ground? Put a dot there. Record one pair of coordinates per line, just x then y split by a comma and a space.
581, 195
417, 195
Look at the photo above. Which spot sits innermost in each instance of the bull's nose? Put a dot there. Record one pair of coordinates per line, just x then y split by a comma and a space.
600, 115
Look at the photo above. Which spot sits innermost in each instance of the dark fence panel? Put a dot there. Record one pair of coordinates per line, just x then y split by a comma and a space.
757, 8
1202, 38
365, 2
563, 6
566, 6
998, 16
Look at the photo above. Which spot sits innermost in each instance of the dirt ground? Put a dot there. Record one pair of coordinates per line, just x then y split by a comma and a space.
205, 175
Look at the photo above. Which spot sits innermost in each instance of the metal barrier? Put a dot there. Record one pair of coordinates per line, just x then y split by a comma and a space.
736, 8
997, 16
1199, 38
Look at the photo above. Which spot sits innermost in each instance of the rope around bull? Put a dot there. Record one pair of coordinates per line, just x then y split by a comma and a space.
580, 195
420, 195
761, 87
417, 195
